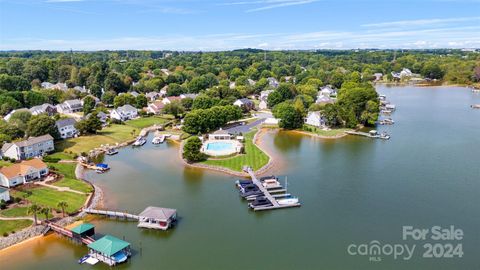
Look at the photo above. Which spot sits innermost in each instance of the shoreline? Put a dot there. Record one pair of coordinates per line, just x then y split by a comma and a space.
311, 134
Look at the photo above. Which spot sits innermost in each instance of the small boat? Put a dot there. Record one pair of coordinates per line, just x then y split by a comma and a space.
251, 193
386, 112
140, 141
111, 152
384, 136
475, 106
387, 121
287, 201
83, 259
240, 183
271, 183
260, 201
158, 139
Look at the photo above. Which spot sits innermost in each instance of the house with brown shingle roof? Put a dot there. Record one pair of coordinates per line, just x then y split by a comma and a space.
21, 173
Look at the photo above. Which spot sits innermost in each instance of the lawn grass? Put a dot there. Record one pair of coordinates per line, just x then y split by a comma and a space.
109, 135
253, 157
9, 226
5, 163
61, 156
15, 212
326, 133
147, 121
69, 179
47, 197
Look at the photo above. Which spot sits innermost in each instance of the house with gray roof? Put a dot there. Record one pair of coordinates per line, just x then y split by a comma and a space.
70, 106
66, 128
244, 103
123, 113
32, 147
49, 109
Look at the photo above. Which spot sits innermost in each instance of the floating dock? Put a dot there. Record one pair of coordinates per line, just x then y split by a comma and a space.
268, 194
369, 135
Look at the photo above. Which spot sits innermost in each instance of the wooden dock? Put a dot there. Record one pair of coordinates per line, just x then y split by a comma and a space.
66, 232
360, 133
110, 213
267, 194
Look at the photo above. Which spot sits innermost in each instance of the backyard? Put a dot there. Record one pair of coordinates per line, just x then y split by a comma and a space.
334, 132
11, 226
148, 121
253, 157
47, 197
69, 179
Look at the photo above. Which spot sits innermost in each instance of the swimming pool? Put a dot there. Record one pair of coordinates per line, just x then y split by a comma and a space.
221, 148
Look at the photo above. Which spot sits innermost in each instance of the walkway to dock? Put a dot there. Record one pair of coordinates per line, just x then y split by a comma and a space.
267, 194
359, 133
66, 232
109, 213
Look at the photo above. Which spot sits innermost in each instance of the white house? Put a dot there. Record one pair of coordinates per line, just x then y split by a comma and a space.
378, 76
220, 135
81, 89
70, 106
327, 91
126, 112
321, 99
168, 100
44, 108
58, 86
66, 128
163, 91
315, 119
192, 96
404, 73
244, 103
264, 94
33, 147
152, 96
155, 107
263, 105
21, 173
4, 194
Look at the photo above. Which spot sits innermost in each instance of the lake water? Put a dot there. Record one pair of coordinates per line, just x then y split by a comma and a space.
354, 190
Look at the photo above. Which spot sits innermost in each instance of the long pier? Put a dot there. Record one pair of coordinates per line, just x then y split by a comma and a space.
267, 194
365, 134
110, 213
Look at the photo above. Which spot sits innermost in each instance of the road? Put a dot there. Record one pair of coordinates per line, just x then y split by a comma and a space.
247, 127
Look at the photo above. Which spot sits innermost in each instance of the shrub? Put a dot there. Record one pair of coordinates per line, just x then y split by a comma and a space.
191, 150
5, 234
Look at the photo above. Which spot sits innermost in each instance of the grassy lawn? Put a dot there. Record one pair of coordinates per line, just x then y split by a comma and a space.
15, 212
61, 156
69, 179
5, 163
253, 157
48, 197
147, 121
8, 226
109, 135
327, 133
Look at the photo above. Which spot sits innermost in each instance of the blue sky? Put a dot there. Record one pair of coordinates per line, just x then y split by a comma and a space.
231, 24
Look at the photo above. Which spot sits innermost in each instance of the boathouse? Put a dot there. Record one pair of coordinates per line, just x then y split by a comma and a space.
157, 218
110, 250
83, 230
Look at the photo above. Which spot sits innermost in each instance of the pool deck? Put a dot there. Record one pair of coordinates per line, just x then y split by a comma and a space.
233, 148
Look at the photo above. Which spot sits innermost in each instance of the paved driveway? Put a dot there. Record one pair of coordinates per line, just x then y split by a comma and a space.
247, 127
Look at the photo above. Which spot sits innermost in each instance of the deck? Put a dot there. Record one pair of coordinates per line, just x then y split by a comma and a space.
268, 194
66, 232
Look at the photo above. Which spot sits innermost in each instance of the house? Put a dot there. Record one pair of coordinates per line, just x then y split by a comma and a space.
24, 172
163, 91
168, 100
165, 71
66, 128
291, 79
33, 147
49, 109
232, 85
70, 106
134, 93
152, 96
157, 218
81, 89
219, 135
126, 112
263, 105
321, 99
264, 94
192, 96
58, 86
4, 194
272, 82
404, 73
315, 119
251, 82
97, 100
102, 117
109, 250
7, 117
327, 91
155, 107
244, 103
46, 85
378, 76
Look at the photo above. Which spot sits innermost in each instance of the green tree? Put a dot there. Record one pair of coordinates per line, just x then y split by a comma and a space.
191, 150
42, 124
45, 211
88, 104
433, 71
141, 101
34, 209
174, 108
290, 117
90, 125
123, 99
109, 97
62, 205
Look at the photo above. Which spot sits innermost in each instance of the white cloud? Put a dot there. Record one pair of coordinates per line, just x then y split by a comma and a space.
422, 22
62, 1
269, 4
